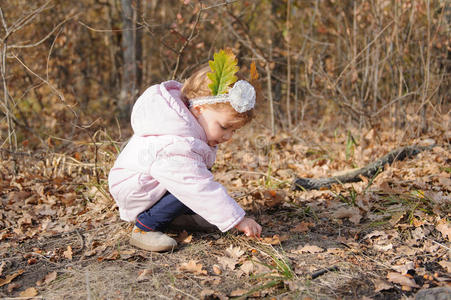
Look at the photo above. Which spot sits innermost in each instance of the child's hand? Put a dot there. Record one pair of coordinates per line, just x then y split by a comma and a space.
249, 227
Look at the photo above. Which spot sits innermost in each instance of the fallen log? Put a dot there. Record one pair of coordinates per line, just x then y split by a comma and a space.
355, 176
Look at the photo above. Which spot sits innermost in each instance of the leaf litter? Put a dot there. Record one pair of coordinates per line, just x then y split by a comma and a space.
389, 235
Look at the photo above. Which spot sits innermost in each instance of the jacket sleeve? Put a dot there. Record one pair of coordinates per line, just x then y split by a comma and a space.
184, 174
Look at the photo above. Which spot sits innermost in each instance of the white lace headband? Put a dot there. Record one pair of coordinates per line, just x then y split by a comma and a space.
241, 96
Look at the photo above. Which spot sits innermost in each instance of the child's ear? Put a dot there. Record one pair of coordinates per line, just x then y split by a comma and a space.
197, 111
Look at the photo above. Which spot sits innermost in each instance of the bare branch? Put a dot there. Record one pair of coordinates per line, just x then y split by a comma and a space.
147, 27
363, 50
50, 53
250, 44
43, 39
221, 4
60, 95
187, 41
109, 30
25, 20
392, 102
3, 20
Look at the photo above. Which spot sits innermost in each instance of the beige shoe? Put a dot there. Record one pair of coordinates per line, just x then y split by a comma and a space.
193, 223
152, 240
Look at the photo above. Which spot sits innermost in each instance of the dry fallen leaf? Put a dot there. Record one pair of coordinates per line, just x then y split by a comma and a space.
50, 277
68, 253
237, 293
383, 248
309, 248
211, 294
184, 237
402, 280
381, 285
273, 198
302, 227
375, 233
208, 294
227, 262
126, 254
403, 269
445, 228
193, 267
445, 182
406, 250
275, 240
353, 213
248, 267
260, 267
217, 270
335, 251
143, 274
9, 278
69, 198
234, 252
12, 286
295, 285
211, 281
396, 217
417, 223
419, 233
30, 292
96, 250
446, 265
112, 256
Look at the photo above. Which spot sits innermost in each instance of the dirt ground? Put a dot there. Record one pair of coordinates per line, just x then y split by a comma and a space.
386, 237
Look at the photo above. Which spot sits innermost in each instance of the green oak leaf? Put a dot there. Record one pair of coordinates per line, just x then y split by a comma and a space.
223, 67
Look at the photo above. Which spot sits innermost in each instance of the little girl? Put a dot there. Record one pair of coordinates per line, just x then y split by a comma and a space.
163, 172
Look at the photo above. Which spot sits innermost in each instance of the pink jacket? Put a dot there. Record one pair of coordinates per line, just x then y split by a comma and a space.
169, 152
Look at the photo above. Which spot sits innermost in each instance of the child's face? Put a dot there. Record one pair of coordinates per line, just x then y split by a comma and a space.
218, 125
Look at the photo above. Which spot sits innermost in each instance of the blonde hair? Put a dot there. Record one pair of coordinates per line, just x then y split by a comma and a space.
197, 86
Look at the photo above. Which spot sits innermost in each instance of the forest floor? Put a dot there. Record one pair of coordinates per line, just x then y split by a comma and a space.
382, 238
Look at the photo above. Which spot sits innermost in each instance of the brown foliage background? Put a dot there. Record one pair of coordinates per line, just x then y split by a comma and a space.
353, 61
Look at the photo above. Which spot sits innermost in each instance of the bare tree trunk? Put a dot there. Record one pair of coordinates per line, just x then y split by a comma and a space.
139, 48
288, 104
112, 48
11, 138
129, 72
425, 91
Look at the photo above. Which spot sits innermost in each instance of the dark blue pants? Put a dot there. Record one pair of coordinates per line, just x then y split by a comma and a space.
161, 214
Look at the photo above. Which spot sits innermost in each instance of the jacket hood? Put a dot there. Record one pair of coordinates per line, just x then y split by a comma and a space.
160, 110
